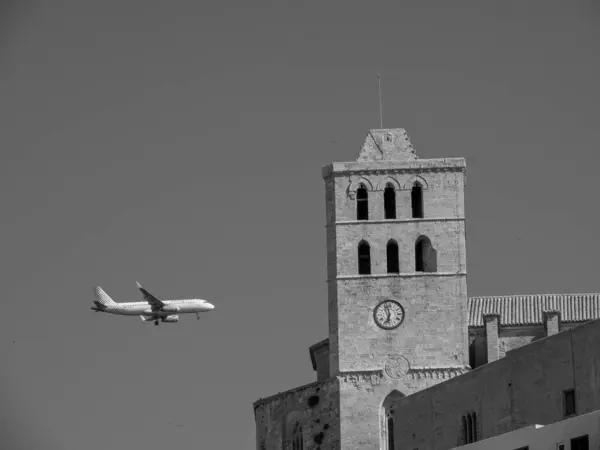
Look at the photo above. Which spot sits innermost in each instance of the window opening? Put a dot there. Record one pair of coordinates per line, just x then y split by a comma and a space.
297, 441
416, 200
393, 264
389, 201
362, 203
569, 402
364, 258
390, 432
580, 443
425, 255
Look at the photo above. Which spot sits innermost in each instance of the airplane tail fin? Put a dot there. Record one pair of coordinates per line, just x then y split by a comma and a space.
103, 300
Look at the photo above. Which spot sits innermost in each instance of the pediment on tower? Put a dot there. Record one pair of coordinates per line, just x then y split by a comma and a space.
390, 144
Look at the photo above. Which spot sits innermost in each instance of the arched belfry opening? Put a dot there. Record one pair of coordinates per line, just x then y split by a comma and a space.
362, 203
389, 201
393, 263
425, 255
389, 420
416, 200
364, 258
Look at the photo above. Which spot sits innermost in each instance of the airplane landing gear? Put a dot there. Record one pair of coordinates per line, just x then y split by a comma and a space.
156, 322
198, 316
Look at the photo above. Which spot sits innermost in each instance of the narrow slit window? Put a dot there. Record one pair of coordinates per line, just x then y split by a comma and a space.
473, 427
364, 258
469, 429
390, 432
297, 441
419, 263
416, 200
389, 201
362, 203
393, 264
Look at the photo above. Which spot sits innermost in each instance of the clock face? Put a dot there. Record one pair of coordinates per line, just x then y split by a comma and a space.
389, 314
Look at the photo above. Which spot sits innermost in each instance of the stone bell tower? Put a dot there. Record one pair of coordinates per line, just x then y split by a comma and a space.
397, 285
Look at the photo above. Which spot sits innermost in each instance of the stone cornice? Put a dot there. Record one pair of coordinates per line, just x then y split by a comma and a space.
438, 373
388, 167
414, 373
407, 220
361, 376
400, 275
373, 377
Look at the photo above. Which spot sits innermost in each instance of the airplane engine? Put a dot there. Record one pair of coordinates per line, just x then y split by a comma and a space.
170, 308
171, 319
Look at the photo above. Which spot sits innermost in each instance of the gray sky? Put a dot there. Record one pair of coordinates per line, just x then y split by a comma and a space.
180, 144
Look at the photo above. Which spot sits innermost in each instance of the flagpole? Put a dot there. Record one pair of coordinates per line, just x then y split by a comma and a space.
380, 104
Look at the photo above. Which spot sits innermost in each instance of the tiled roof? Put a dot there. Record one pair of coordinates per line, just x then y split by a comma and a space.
528, 309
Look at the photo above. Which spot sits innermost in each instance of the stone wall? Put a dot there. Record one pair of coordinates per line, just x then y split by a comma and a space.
523, 388
509, 338
433, 332
314, 406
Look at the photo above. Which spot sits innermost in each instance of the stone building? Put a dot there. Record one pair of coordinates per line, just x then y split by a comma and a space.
401, 322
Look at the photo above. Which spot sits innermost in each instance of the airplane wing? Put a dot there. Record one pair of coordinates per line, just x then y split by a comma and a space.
151, 299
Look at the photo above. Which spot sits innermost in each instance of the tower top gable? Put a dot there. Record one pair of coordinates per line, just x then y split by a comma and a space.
388, 144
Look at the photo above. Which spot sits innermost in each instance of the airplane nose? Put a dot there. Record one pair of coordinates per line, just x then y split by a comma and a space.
211, 306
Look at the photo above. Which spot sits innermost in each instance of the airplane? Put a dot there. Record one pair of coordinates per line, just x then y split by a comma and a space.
152, 309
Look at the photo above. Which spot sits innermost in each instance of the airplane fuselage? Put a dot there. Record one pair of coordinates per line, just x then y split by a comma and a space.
152, 309
143, 308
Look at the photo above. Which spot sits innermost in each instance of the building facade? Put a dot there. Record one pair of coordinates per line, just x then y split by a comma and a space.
576, 433
400, 319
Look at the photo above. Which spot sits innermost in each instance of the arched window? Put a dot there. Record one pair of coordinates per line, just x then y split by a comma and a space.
297, 441
364, 258
416, 200
362, 203
389, 201
425, 255
469, 428
393, 265
387, 420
